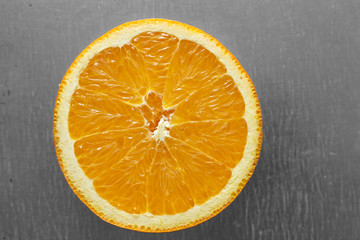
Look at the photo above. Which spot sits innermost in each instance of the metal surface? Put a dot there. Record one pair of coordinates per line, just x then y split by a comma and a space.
304, 59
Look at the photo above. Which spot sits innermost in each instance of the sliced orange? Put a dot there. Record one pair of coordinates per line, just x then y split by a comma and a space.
157, 126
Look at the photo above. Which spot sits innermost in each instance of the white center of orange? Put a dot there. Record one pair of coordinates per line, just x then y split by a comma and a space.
162, 130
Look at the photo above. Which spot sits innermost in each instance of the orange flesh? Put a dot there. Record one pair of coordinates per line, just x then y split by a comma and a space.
123, 94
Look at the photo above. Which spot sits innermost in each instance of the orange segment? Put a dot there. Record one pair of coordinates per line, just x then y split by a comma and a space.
166, 189
124, 182
112, 72
220, 99
91, 112
192, 67
223, 140
157, 49
98, 152
204, 176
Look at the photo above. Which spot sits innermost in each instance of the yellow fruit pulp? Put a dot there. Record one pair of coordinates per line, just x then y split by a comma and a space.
128, 95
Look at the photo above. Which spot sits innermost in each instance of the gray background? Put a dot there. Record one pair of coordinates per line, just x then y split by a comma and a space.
304, 59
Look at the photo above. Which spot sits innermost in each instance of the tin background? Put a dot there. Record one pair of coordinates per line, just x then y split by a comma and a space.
304, 60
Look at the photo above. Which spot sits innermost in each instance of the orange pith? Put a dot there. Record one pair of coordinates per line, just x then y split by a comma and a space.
123, 95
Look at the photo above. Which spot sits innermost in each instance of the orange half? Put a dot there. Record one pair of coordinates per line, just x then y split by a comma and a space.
157, 126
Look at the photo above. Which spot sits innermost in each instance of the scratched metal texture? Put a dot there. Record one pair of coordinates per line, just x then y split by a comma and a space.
304, 59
